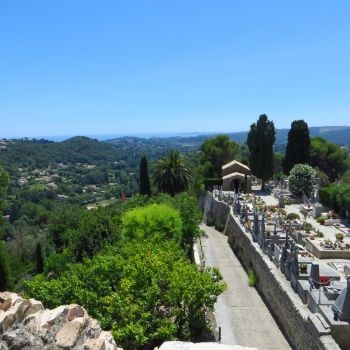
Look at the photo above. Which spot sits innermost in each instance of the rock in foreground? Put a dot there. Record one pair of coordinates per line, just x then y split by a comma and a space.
25, 324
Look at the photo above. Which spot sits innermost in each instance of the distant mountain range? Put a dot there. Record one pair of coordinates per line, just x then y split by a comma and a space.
336, 134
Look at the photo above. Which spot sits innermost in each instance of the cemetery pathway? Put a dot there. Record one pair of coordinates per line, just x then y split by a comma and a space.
240, 312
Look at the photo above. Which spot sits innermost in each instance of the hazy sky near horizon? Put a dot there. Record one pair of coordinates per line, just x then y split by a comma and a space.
82, 67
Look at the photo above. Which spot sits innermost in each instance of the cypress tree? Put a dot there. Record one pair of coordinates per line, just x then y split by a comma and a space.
298, 146
5, 271
145, 186
39, 258
260, 140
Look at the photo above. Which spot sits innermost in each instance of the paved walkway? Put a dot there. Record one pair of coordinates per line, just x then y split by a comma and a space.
240, 312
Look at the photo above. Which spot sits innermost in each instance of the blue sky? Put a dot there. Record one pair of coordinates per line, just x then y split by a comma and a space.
70, 67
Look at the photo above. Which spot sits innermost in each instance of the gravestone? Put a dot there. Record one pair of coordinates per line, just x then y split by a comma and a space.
341, 307
276, 254
255, 226
315, 275
261, 235
281, 203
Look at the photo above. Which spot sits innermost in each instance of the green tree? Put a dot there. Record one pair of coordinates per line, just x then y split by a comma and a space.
5, 270
145, 186
277, 166
191, 217
96, 229
216, 152
172, 174
62, 220
39, 258
14, 211
260, 140
301, 180
3, 188
329, 158
298, 146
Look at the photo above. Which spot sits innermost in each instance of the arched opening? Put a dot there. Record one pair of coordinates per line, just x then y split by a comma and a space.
235, 185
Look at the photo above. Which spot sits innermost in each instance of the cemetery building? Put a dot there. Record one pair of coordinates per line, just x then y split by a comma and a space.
234, 177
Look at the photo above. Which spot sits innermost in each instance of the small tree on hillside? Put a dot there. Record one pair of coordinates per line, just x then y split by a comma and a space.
330, 158
298, 146
216, 152
145, 186
260, 140
5, 271
39, 258
302, 180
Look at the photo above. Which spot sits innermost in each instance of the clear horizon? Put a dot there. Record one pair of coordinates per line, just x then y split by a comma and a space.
101, 68
103, 137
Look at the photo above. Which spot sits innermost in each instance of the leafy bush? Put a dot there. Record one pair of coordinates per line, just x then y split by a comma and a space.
157, 220
319, 234
308, 227
293, 216
147, 292
339, 236
321, 220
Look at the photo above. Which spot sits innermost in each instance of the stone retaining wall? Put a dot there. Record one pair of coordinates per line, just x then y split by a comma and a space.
304, 329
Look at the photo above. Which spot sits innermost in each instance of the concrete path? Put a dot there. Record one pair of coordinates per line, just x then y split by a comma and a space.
240, 312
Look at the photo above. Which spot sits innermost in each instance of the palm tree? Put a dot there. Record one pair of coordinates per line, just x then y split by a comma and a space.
171, 173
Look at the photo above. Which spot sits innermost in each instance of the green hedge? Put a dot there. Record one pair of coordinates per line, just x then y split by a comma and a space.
336, 197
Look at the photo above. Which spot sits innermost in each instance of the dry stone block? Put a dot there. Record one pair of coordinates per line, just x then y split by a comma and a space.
94, 344
25, 324
75, 311
68, 335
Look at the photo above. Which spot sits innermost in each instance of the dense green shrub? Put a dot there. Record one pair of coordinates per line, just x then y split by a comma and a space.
155, 220
308, 227
147, 292
321, 220
336, 197
339, 236
293, 216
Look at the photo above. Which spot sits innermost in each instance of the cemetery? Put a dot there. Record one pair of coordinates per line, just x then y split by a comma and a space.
295, 257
